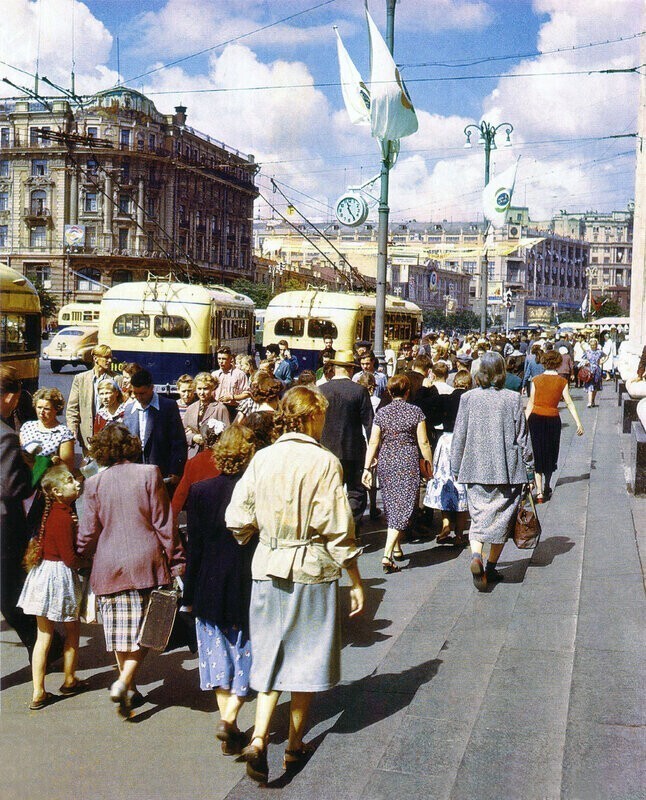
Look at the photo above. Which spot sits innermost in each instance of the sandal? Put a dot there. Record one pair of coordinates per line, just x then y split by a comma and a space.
75, 688
256, 759
46, 700
232, 738
389, 566
398, 555
296, 759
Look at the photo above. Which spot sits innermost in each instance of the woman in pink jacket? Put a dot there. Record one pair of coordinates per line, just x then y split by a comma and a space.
127, 528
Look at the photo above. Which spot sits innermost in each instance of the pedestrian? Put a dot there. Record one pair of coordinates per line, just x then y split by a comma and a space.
53, 591
15, 486
593, 359
491, 453
398, 436
347, 426
54, 439
544, 420
217, 586
443, 492
186, 390
233, 384
265, 392
112, 406
127, 528
199, 413
368, 364
292, 496
127, 371
199, 468
533, 366
155, 420
83, 402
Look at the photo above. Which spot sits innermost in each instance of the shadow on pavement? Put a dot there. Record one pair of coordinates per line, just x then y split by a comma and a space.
363, 631
573, 479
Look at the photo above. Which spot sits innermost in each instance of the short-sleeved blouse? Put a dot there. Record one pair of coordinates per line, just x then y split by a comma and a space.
50, 439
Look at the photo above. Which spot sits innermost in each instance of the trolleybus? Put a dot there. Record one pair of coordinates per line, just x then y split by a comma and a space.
20, 326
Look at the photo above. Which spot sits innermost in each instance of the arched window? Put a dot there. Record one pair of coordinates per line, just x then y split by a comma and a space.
38, 202
88, 280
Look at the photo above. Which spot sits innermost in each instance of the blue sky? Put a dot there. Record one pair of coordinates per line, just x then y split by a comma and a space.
302, 136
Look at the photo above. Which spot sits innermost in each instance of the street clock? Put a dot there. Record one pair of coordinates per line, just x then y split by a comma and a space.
351, 209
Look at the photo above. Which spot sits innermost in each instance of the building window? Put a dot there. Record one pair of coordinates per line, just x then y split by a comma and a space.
124, 203
4, 201
92, 166
151, 141
150, 208
92, 132
124, 137
38, 167
90, 236
4, 168
4, 137
150, 242
40, 273
90, 202
123, 238
121, 276
4, 235
88, 280
38, 236
33, 137
125, 170
38, 200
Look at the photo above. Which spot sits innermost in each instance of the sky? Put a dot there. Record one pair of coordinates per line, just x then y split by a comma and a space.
262, 76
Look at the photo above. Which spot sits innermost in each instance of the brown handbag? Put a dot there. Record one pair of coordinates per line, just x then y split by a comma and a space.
527, 531
426, 468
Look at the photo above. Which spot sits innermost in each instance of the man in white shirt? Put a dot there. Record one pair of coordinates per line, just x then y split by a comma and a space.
368, 363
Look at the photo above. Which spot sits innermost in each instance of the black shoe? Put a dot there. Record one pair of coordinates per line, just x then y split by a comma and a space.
492, 575
257, 767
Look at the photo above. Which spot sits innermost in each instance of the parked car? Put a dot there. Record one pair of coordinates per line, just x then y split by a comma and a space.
72, 345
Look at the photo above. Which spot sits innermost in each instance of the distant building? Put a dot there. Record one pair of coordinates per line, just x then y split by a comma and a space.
611, 247
128, 192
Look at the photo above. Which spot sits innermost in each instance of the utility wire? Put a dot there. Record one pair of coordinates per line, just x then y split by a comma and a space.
344, 260
230, 41
438, 79
535, 54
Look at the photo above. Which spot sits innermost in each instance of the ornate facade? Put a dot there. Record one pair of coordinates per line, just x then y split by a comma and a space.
109, 190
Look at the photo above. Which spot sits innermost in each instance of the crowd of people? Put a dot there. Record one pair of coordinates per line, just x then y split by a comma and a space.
249, 491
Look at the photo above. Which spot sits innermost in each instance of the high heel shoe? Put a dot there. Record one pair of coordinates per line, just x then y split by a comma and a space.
398, 554
389, 566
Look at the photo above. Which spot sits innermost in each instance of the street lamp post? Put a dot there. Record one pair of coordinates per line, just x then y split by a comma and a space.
487, 138
591, 274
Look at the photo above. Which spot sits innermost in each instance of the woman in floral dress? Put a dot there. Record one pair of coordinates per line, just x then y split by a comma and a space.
398, 435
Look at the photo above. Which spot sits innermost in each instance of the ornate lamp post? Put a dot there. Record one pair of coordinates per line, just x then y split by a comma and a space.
487, 138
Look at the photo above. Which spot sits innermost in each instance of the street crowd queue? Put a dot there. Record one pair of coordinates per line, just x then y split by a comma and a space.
273, 471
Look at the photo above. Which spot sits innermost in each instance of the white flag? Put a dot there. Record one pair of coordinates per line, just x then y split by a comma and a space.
355, 92
585, 306
392, 115
497, 194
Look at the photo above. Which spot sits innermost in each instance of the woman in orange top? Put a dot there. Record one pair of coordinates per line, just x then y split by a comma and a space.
544, 421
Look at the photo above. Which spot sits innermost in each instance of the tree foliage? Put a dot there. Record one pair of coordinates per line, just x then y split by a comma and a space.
258, 292
459, 320
48, 305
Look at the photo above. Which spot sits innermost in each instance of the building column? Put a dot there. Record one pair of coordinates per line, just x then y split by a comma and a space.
140, 234
74, 198
638, 271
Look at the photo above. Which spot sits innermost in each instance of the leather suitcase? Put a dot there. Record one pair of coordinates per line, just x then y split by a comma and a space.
159, 619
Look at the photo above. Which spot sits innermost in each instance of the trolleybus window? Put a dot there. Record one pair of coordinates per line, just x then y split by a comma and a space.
132, 325
289, 326
172, 327
319, 328
18, 332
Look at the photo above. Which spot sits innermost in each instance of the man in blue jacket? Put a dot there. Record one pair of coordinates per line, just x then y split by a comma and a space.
156, 421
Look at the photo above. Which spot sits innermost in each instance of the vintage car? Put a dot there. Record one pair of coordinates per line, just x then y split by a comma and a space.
72, 345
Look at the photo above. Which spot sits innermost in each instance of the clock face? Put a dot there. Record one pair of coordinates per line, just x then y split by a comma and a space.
351, 209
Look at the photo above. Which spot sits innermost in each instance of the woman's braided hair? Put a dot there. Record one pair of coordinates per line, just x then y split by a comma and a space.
51, 480
296, 407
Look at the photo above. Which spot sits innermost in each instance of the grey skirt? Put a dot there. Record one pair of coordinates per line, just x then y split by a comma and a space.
493, 509
295, 636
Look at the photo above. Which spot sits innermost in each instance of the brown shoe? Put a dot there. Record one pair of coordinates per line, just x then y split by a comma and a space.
478, 572
256, 758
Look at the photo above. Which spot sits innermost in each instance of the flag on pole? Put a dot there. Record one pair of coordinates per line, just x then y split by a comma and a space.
489, 240
355, 92
497, 194
392, 115
585, 306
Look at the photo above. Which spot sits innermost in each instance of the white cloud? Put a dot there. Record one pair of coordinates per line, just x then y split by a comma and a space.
20, 23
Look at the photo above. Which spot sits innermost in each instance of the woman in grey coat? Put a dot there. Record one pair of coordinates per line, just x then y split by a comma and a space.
491, 453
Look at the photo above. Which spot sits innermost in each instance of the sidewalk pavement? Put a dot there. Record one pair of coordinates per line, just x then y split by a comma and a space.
533, 690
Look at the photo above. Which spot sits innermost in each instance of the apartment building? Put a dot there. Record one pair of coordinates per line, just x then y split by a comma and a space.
107, 190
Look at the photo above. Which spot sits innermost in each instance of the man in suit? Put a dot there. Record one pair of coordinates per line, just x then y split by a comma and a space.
156, 421
15, 486
83, 402
349, 415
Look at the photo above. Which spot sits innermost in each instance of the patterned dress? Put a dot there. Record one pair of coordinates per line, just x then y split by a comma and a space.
593, 357
398, 462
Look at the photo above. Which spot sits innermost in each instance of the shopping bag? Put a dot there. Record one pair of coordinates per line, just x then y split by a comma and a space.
527, 531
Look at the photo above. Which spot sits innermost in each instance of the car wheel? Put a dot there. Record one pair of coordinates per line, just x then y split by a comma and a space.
57, 366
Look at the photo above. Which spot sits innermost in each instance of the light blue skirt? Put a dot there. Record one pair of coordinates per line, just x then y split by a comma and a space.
52, 590
224, 658
295, 635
